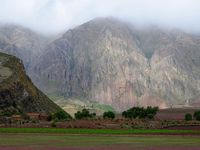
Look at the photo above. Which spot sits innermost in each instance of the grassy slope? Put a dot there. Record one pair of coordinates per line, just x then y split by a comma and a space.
75, 104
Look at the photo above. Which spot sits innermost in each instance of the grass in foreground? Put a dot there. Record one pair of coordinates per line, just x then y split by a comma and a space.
54, 141
95, 131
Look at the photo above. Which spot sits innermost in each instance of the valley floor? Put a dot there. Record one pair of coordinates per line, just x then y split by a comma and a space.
30, 141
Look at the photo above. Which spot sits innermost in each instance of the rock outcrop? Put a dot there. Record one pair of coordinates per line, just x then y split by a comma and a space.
17, 92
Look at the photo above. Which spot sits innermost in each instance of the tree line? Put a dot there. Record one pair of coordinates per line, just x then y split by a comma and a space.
140, 112
132, 113
196, 116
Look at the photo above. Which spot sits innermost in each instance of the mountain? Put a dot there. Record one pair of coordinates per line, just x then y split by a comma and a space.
22, 42
114, 63
28, 45
17, 92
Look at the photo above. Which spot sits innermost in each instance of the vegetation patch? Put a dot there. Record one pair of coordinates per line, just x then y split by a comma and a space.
140, 112
84, 114
109, 115
197, 115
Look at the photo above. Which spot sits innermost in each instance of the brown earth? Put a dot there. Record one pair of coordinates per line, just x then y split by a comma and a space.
184, 128
175, 113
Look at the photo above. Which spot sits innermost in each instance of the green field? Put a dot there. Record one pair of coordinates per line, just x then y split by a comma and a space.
68, 142
96, 139
95, 131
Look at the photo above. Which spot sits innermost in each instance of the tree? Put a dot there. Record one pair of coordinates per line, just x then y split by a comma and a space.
197, 115
84, 114
140, 112
188, 117
152, 110
78, 115
125, 114
61, 115
93, 115
109, 115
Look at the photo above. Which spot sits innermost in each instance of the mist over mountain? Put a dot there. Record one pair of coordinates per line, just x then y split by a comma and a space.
56, 16
22, 42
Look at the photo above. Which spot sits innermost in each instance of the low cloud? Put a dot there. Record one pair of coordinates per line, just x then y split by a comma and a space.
53, 16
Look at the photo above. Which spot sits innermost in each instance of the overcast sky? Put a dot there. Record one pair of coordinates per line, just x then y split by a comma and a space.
53, 16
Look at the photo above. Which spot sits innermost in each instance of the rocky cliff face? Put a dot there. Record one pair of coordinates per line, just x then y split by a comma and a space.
17, 92
114, 63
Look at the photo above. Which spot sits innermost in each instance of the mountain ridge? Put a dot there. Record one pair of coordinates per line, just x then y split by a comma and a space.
113, 63
116, 63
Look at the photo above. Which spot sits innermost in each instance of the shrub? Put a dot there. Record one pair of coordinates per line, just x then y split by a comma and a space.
61, 115
152, 110
78, 115
93, 115
197, 115
84, 114
188, 117
109, 115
